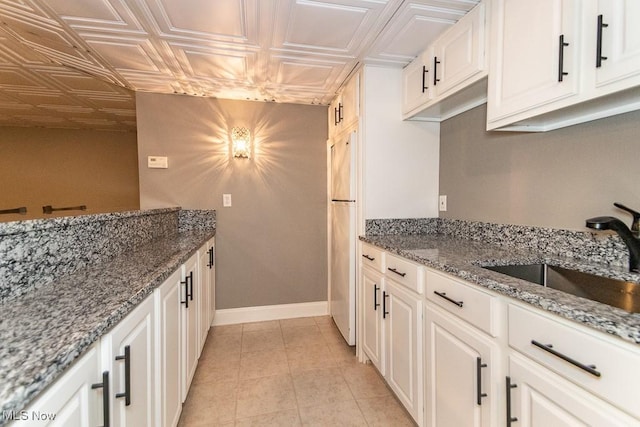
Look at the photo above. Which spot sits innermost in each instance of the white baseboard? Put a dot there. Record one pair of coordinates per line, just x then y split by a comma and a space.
232, 316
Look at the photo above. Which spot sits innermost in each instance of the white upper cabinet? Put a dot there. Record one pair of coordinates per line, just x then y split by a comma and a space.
416, 82
459, 54
618, 42
553, 58
439, 83
529, 69
345, 108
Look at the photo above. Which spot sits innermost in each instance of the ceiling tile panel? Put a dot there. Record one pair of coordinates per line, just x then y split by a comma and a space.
97, 15
221, 65
223, 20
126, 54
301, 74
414, 27
326, 27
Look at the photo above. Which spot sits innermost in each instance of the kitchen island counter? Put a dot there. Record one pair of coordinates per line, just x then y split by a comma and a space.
43, 332
465, 258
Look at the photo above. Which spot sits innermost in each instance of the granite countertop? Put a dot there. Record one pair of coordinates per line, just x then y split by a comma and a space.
465, 258
45, 331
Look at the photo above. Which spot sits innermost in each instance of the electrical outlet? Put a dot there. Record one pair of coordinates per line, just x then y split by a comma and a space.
442, 203
226, 200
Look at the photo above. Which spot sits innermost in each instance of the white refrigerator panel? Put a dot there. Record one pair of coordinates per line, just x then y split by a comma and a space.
343, 271
343, 178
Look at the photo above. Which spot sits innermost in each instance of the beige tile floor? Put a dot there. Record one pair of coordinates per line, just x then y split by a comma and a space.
295, 372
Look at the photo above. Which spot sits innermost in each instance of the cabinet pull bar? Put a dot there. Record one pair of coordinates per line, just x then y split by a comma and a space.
191, 285
549, 348
127, 375
340, 112
424, 78
185, 282
451, 300
510, 419
370, 258
393, 270
104, 385
599, 57
384, 304
376, 304
435, 70
336, 118
561, 72
479, 394
21, 210
50, 209
210, 263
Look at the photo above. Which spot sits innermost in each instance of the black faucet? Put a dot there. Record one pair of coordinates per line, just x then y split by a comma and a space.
631, 237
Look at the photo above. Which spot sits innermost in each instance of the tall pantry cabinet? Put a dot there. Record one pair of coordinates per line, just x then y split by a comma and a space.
397, 175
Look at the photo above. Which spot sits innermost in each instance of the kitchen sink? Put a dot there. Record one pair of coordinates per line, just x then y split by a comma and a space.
617, 293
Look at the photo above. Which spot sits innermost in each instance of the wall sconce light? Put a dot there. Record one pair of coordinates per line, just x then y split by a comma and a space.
241, 140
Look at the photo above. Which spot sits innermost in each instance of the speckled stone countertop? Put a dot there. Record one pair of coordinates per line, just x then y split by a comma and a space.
45, 331
464, 258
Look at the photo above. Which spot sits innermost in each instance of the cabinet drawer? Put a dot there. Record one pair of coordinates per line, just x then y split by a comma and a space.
472, 305
597, 364
405, 272
373, 257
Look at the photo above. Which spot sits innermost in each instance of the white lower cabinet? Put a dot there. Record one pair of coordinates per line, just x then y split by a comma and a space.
128, 352
372, 333
168, 299
392, 324
402, 313
212, 279
76, 400
189, 319
536, 397
203, 296
462, 372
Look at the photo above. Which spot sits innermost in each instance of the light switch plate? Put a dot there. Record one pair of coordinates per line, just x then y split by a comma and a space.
226, 200
442, 203
157, 162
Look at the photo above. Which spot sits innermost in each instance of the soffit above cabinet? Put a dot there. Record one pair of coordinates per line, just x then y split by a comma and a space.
296, 51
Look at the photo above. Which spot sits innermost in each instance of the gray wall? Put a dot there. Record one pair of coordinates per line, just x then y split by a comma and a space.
272, 243
554, 179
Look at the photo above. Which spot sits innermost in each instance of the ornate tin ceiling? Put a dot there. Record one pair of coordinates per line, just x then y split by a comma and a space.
74, 63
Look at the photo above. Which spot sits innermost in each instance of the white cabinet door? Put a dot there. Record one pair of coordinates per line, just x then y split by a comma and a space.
460, 53
345, 108
539, 398
334, 117
190, 338
402, 313
619, 41
417, 82
350, 103
168, 299
129, 353
202, 296
462, 371
212, 280
372, 328
528, 60
71, 401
